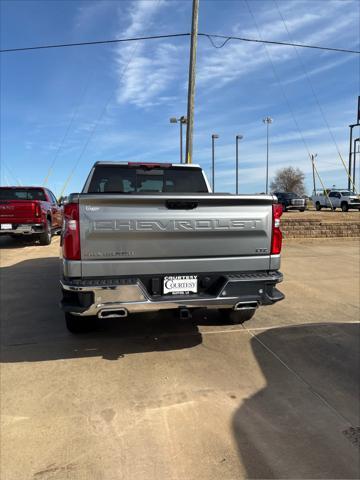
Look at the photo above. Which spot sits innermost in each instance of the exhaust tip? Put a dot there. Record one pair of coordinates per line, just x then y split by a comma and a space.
113, 313
246, 306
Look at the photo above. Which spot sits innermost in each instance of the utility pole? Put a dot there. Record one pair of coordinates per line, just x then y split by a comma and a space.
191, 86
313, 169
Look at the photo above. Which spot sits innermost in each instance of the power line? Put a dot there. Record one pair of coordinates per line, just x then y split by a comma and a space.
97, 123
283, 90
210, 36
279, 82
332, 136
273, 42
126, 66
97, 42
12, 174
61, 144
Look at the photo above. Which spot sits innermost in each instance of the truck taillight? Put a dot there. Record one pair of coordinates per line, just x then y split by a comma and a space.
276, 239
71, 232
37, 210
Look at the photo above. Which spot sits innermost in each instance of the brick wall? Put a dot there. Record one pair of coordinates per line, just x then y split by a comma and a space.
294, 228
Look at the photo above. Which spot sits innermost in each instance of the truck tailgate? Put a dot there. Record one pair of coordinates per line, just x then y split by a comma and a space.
150, 234
17, 211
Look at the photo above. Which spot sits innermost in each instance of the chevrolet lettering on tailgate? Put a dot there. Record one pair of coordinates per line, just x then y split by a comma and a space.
175, 225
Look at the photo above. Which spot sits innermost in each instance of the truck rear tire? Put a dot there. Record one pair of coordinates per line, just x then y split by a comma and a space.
45, 237
318, 206
77, 324
344, 207
236, 317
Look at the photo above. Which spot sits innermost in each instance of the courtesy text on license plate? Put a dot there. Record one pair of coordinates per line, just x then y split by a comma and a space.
180, 284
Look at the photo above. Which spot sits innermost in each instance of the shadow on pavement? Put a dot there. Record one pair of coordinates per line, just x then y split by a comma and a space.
303, 423
8, 242
33, 327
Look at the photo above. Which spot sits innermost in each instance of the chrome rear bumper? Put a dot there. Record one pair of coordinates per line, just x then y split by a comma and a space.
85, 299
24, 229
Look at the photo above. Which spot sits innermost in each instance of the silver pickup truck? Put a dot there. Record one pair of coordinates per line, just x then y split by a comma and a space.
146, 237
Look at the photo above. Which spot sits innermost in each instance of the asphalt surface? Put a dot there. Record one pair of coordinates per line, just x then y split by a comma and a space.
161, 398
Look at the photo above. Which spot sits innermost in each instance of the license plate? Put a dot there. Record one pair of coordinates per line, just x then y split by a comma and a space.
6, 226
180, 284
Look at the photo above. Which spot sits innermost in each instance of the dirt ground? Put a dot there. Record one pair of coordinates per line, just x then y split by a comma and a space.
180, 400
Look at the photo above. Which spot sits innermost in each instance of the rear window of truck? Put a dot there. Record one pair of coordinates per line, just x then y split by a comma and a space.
124, 179
22, 194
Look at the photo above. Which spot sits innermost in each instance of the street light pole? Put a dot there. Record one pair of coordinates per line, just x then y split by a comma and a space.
267, 120
350, 155
181, 141
238, 137
357, 140
213, 137
182, 120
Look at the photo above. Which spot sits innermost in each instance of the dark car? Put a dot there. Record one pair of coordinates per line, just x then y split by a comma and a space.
291, 201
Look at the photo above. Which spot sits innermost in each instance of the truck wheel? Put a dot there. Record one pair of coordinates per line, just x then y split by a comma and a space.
344, 207
45, 237
237, 317
318, 206
78, 324
302, 209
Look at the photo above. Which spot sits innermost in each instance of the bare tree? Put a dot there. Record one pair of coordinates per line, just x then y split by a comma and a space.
288, 179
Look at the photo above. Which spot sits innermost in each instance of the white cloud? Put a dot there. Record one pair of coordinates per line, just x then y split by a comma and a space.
144, 78
140, 16
146, 71
238, 59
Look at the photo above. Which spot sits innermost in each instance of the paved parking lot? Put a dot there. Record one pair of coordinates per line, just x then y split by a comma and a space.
170, 399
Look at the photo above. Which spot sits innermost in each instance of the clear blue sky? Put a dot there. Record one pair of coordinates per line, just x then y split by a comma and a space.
43, 91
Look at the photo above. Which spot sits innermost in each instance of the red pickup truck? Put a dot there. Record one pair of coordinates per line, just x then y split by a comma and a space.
30, 211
